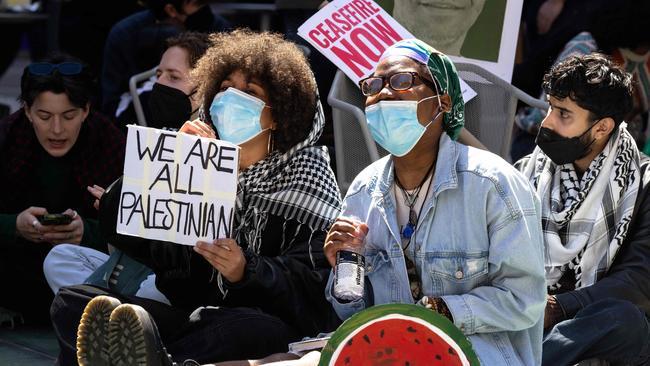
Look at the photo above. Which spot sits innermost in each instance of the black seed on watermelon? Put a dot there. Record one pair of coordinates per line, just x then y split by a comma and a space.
430, 340
388, 351
381, 334
350, 342
366, 338
347, 360
407, 363
417, 341
411, 329
438, 357
451, 351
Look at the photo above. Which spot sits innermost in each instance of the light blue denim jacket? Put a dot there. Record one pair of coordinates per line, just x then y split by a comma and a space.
479, 242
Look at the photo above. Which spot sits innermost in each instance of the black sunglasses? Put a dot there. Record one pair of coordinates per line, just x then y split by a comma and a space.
398, 81
46, 68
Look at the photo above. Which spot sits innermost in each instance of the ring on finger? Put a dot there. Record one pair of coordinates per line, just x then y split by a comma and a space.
34, 223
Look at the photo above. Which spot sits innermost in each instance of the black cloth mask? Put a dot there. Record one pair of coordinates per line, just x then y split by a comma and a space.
168, 107
563, 150
201, 20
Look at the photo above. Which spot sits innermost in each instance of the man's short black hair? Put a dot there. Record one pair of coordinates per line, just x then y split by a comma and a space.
595, 83
80, 88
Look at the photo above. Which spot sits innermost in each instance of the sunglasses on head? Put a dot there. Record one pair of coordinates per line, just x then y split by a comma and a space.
46, 68
398, 81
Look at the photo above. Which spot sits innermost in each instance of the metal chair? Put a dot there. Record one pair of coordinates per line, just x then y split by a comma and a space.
355, 149
490, 115
133, 90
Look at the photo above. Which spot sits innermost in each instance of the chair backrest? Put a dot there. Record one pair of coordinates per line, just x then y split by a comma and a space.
133, 90
490, 115
355, 149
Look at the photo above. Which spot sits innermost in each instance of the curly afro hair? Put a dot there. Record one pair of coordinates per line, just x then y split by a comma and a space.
281, 68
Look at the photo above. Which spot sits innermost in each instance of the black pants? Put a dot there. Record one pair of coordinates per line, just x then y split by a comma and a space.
613, 330
208, 334
24, 288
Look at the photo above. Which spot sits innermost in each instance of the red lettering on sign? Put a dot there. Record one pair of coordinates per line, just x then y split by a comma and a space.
344, 24
356, 35
351, 57
313, 34
382, 30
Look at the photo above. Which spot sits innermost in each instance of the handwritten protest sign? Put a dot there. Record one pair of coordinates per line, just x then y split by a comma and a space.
353, 34
177, 187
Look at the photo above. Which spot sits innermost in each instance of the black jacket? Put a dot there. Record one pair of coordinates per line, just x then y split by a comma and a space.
628, 277
286, 285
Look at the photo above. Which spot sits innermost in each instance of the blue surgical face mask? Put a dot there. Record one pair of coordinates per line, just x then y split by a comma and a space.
236, 115
394, 124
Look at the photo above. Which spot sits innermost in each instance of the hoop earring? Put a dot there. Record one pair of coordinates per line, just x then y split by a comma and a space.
271, 144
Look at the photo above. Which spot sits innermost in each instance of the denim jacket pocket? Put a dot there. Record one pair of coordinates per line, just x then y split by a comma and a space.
375, 260
456, 272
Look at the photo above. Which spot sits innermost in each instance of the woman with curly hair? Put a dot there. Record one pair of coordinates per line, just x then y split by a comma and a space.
251, 295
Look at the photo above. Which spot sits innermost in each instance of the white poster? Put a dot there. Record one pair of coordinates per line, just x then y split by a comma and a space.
177, 187
471, 31
353, 34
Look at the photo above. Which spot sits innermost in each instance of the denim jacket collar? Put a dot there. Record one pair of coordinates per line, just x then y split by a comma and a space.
445, 177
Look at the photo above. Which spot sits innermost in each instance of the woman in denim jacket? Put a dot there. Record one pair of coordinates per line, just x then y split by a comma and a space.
448, 226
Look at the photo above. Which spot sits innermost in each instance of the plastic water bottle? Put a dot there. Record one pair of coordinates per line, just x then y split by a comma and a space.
350, 273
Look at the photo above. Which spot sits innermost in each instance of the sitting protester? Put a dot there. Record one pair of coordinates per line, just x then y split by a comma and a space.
593, 184
171, 100
50, 151
245, 297
447, 226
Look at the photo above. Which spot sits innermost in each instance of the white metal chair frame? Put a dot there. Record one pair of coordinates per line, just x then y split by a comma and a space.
133, 90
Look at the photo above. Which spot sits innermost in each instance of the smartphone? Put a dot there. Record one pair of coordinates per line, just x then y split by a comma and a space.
54, 219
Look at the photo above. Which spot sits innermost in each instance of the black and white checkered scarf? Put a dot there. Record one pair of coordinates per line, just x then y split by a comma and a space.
585, 221
298, 185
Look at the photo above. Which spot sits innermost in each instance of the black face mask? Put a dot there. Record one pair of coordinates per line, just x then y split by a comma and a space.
563, 150
168, 107
201, 20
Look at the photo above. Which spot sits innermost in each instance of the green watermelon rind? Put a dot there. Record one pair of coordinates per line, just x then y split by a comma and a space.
358, 320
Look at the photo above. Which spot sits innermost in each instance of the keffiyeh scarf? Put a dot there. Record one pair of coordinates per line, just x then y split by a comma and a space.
298, 184
586, 220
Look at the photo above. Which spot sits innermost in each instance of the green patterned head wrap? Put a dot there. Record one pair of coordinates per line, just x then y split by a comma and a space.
443, 72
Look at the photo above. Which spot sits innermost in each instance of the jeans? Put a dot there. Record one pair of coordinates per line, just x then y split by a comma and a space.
69, 265
208, 334
612, 330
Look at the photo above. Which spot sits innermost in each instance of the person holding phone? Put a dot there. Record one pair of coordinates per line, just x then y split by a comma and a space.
50, 151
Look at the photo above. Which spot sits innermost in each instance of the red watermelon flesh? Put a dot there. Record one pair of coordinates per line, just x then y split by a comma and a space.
398, 340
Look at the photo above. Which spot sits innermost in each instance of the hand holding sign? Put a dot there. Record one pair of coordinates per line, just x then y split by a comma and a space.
226, 256
198, 128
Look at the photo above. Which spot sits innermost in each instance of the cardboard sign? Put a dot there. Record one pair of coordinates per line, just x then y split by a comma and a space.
353, 34
177, 187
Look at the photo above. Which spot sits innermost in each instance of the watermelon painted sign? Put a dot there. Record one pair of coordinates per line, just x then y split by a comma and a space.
353, 34
398, 334
177, 187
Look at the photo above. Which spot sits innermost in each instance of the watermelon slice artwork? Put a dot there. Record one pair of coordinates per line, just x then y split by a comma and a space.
398, 334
